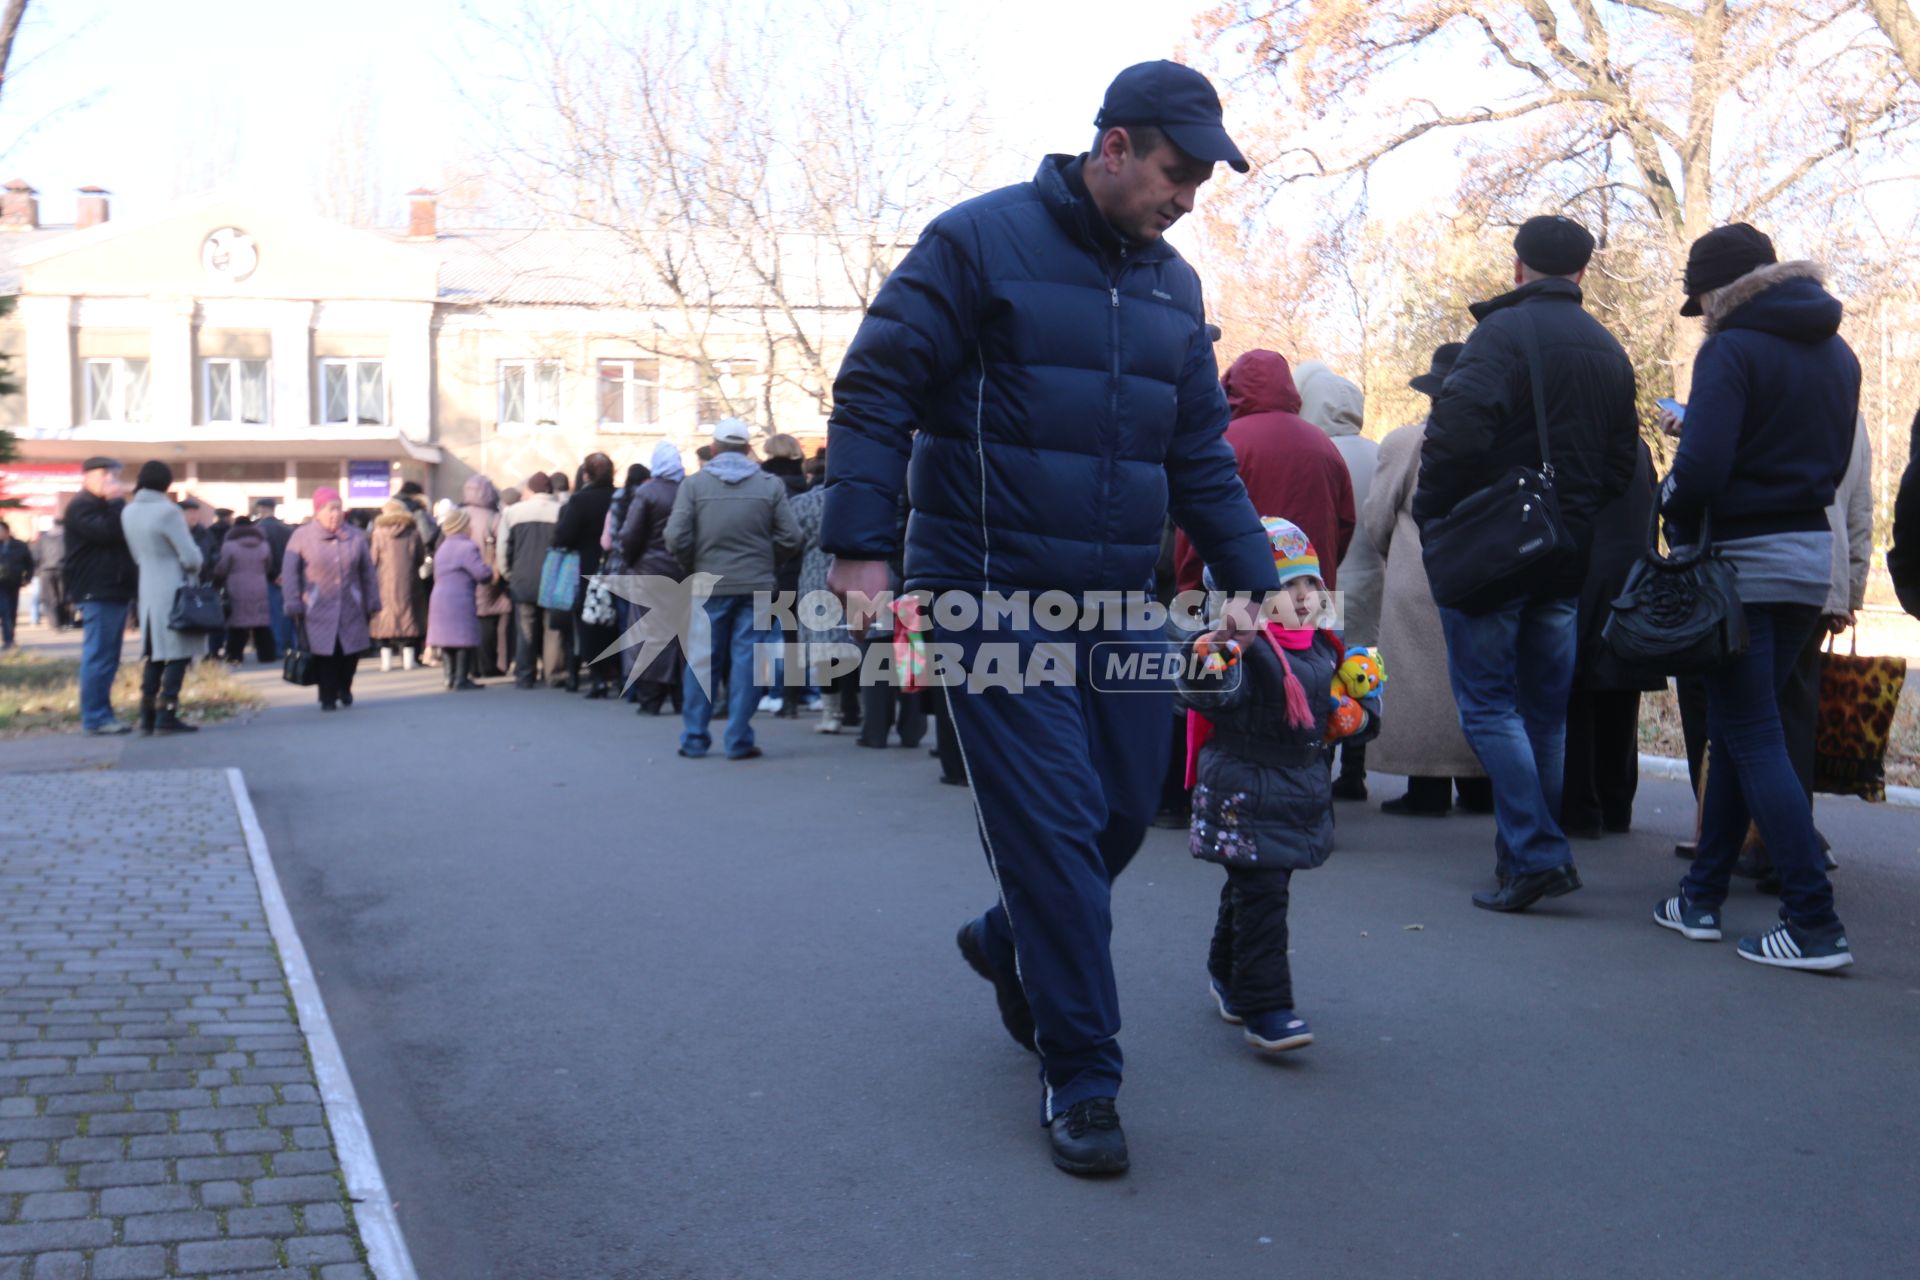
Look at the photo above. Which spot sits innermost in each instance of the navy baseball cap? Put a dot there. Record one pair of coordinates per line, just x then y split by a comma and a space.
1177, 100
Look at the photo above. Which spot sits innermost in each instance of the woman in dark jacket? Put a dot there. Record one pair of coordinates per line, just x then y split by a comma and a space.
241, 568
1765, 442
1602, 771
614, 564
643, 542
581, 522
786, 459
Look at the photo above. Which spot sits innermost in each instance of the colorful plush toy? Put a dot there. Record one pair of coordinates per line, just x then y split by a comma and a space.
1359, 675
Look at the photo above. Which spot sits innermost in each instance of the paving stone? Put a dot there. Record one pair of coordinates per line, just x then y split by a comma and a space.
156, 1228
304, 1162
60, 1266
123, 1173
82, 1103
253, 1141
43, 1206
129, 1122
222, 1195
290, 1190
122, 1202
74, 1150
219, 1118
149, 1263
326, 1217
171, 1099
172, 1144
43, 1237
308, 1250
275, 1220
221, 1168
226, 1255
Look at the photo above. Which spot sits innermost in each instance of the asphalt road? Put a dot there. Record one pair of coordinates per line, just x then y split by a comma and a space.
617, 1014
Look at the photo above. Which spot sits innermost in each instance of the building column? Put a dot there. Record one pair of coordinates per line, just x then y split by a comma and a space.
293, 405
49, 365
410, 370
170, 394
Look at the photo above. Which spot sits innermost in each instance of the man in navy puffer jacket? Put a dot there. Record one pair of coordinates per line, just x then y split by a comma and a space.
1039, 375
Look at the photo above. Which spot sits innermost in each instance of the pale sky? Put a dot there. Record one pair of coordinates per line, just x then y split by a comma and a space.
158, 100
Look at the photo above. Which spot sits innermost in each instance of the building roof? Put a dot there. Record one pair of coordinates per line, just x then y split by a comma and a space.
604, 267
11, 245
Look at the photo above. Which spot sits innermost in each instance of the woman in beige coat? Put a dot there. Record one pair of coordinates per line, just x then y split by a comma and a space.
164, 550
1422, 737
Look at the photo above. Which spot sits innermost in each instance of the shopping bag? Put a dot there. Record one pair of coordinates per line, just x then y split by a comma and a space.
560, 580
1858, 698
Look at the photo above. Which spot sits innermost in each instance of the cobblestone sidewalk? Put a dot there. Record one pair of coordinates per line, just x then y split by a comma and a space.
159, 1115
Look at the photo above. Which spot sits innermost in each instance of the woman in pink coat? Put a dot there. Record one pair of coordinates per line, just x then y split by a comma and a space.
328, 580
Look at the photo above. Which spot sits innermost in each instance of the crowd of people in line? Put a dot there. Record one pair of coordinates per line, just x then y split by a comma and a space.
1078, 439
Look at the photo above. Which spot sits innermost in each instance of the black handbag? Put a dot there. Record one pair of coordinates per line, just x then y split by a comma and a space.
296, 665
1497, 541
197, 607
1680, 614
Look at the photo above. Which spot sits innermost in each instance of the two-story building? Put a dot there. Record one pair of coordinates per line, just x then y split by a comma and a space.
263, 351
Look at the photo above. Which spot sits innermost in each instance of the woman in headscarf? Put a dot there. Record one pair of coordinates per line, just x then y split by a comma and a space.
164, 550
331, 591
453, 621
643, 542
482, 503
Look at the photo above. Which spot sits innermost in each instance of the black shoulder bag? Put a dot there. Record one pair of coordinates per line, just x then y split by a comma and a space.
1492, 547
296, 665
1679, 614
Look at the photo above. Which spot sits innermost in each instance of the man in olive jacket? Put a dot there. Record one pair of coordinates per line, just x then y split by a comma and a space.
730, 520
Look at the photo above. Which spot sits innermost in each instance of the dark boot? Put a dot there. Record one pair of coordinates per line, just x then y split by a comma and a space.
169, 720
149, 708
462, 662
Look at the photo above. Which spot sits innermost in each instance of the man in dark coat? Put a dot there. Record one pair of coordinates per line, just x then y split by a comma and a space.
49, 556
101, 581
1512, 667
579, 527
1041, 363
276, 531
16, 571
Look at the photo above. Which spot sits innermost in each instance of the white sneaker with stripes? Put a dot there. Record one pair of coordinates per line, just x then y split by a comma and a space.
1687, 920
1787, 947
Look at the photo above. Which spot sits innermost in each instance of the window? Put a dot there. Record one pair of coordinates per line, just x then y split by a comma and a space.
117, 390
234, 391
730, 390
529, 393
629, 395
353, 392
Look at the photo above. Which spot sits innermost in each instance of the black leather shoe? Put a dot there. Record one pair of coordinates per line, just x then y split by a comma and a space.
1087, 1139
1015, 1014
1522, 892
1349, 787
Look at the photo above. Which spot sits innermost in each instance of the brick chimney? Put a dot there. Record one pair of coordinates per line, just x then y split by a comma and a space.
93, 208
19, 211
421, 221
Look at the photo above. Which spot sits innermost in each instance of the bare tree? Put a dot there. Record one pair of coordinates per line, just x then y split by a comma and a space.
1638, 113
9, 28
757, 169
1902, 29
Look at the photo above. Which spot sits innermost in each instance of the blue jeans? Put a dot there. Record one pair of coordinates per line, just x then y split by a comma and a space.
103, 627
277, 618
1512, 673
732, 634
1750, 774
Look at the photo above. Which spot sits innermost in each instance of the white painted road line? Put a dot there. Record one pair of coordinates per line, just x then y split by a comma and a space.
372, 1205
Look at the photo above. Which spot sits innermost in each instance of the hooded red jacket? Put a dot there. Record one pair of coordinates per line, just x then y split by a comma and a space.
1289, 466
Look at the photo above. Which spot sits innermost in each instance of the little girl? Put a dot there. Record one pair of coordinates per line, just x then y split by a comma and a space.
1258, 760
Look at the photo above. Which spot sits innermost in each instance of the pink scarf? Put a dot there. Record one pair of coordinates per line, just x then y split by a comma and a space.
1299, 710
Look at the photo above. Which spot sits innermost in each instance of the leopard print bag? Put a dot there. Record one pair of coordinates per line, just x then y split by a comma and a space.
1858, 697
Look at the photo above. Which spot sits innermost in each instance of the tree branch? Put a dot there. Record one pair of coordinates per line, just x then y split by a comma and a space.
9, 28
1896, 18
1661, 9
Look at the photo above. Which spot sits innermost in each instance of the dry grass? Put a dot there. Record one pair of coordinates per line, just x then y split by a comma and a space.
40, 694
1660, 731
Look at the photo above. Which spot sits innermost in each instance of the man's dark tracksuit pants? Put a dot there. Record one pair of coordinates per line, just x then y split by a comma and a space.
1065, 780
